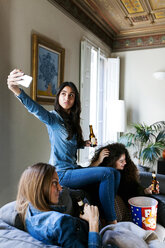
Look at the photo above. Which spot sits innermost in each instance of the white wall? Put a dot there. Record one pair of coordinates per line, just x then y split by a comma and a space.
23, 139
144, 95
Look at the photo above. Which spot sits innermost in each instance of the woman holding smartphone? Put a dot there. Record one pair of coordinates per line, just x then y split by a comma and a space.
65, 135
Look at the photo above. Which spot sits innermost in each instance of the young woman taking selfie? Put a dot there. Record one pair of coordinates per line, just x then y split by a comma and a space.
65, 135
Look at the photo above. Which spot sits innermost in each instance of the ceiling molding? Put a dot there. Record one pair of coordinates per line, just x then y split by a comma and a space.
145, 42
122, 24
85, 20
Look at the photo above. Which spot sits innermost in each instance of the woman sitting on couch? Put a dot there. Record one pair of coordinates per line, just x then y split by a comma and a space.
65, 134
45, 220
117, 156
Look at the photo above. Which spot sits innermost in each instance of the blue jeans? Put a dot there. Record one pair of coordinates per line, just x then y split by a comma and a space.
108, 179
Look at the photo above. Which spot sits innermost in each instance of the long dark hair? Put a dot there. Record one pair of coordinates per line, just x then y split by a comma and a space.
130, 172
72, 120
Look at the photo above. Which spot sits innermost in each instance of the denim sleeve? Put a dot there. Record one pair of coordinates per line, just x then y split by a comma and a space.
36, 109
94, 240
71, 235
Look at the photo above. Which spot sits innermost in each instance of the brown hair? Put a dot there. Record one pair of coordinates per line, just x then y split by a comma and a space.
34, 187
130, 172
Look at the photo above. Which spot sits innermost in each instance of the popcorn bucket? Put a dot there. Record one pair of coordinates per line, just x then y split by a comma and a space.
144, 212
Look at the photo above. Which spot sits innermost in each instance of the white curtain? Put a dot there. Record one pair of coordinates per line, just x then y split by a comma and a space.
99, 85
112, 97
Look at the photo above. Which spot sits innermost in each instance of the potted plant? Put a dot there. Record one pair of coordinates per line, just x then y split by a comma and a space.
147, 142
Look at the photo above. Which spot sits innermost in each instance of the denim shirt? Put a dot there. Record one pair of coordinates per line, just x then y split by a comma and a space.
56, 228
63, 152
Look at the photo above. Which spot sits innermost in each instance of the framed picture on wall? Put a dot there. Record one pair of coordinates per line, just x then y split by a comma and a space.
47, 69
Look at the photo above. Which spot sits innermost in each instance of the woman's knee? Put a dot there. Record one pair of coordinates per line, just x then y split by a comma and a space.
108, 172
117, 174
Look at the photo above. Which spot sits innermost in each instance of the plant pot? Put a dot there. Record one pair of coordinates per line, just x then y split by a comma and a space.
163, 154
143, 168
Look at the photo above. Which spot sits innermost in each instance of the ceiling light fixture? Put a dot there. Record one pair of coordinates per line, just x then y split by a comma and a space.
160, 75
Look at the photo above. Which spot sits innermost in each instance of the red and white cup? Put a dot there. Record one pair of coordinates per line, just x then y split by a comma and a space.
144, 211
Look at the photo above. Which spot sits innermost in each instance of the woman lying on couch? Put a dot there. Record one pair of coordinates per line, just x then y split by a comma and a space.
45, 220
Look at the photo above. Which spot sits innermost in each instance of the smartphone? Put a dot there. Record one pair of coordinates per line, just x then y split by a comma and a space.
25, 81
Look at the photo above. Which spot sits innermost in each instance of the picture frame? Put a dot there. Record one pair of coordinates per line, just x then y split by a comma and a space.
47, 69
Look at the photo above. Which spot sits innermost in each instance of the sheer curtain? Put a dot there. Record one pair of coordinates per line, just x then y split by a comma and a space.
99, 85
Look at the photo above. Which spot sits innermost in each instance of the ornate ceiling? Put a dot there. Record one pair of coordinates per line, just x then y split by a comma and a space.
122, 24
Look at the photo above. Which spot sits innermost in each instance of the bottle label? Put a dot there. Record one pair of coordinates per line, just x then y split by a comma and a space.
80, 203
93, 141
154, 184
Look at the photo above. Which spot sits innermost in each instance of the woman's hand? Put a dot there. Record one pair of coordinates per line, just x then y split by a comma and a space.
91, 214
13, 79
148, 191
87, 143
103, 154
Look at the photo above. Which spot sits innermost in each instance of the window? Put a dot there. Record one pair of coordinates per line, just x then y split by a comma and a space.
99, 85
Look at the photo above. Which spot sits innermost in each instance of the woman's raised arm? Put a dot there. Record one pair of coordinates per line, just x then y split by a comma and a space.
33, 107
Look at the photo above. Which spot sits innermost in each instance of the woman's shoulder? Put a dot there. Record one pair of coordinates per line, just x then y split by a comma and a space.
50, 225
53, 112
35, 217
56, 221
56, 114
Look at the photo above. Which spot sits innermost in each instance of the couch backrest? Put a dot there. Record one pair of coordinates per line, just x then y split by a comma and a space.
13, 237
10, 233
9, 214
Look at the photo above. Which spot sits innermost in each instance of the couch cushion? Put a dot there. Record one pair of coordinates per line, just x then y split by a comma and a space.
128, 234
160, 198
9, 214
161, 213
13, 237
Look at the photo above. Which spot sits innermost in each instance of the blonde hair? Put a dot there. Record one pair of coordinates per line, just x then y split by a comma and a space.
34, 187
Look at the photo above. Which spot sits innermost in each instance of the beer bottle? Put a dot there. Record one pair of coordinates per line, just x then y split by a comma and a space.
81, 205
154, 182
92, 137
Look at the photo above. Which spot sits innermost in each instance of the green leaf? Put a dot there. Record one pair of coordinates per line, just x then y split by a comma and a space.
161, 137
152, 152
147, 141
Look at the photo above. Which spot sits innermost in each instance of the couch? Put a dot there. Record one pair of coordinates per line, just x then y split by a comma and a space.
12, 233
